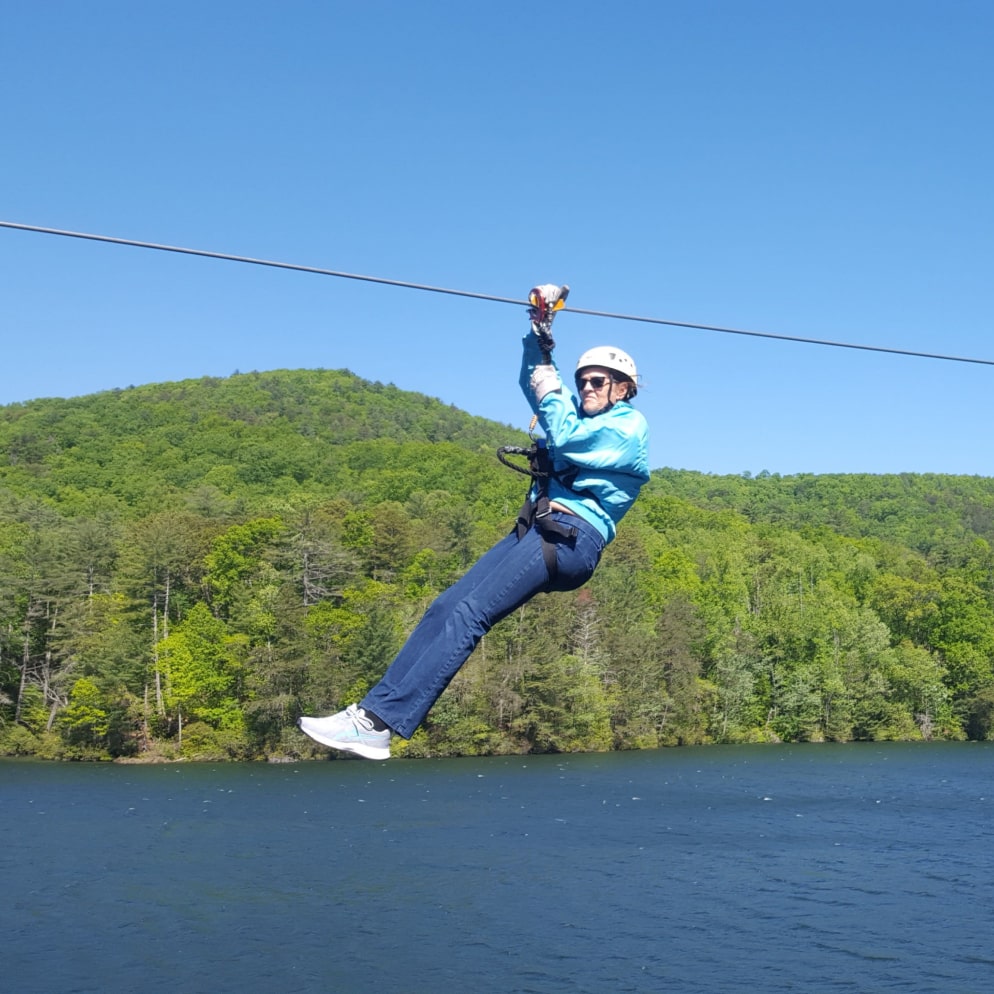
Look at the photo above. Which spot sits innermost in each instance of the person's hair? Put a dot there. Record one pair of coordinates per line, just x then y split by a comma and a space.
626, 381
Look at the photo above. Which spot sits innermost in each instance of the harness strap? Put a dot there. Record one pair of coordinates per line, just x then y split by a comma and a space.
538, 512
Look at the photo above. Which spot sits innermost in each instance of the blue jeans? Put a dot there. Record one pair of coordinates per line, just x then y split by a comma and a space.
503, 579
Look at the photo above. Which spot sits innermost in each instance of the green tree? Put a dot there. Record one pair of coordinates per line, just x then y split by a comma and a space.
84, 720
236, 557
566, 708
160, 562
203, 671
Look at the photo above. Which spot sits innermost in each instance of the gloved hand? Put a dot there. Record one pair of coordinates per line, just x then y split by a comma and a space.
544, 380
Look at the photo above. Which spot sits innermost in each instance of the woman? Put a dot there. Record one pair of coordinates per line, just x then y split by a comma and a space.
598, 453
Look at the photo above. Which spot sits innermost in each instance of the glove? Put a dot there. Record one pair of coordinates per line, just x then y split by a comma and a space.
544, 380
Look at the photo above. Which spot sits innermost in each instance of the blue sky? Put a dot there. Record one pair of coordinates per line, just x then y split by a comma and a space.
820, 170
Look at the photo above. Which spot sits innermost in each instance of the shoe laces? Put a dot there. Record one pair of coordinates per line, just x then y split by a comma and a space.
358, 718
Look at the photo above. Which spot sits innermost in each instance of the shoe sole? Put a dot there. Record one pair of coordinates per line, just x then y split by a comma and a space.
358, 748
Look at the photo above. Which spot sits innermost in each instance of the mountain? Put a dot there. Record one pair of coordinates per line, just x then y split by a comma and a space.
248, 435
187, 567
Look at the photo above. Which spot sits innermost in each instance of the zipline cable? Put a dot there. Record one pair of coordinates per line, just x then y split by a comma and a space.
258, 262
486, 296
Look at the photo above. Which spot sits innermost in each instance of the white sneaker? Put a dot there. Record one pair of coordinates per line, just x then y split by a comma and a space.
350, 730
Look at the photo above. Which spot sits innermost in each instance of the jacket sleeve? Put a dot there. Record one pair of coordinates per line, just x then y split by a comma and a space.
531, 356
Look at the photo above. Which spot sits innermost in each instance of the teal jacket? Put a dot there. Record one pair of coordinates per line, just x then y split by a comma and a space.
609, 452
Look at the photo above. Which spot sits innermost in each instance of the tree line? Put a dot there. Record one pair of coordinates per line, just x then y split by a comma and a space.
185, 568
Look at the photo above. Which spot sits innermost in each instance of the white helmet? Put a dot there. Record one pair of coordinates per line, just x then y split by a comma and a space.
611, 358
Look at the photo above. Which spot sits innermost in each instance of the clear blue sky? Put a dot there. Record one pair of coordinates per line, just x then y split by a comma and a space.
823, 170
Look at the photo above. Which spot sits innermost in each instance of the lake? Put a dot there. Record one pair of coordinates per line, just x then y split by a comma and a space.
767, 869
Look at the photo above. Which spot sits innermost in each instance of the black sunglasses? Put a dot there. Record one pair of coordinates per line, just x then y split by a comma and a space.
595, 381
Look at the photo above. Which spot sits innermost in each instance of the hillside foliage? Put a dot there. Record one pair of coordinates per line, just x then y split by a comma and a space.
186, 568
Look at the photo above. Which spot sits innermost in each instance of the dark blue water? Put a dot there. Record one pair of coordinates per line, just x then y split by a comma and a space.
768, 869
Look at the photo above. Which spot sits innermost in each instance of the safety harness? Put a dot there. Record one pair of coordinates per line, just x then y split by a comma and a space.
537, 510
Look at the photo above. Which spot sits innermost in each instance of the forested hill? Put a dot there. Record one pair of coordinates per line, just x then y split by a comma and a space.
245, 440
187, 567
940, 516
